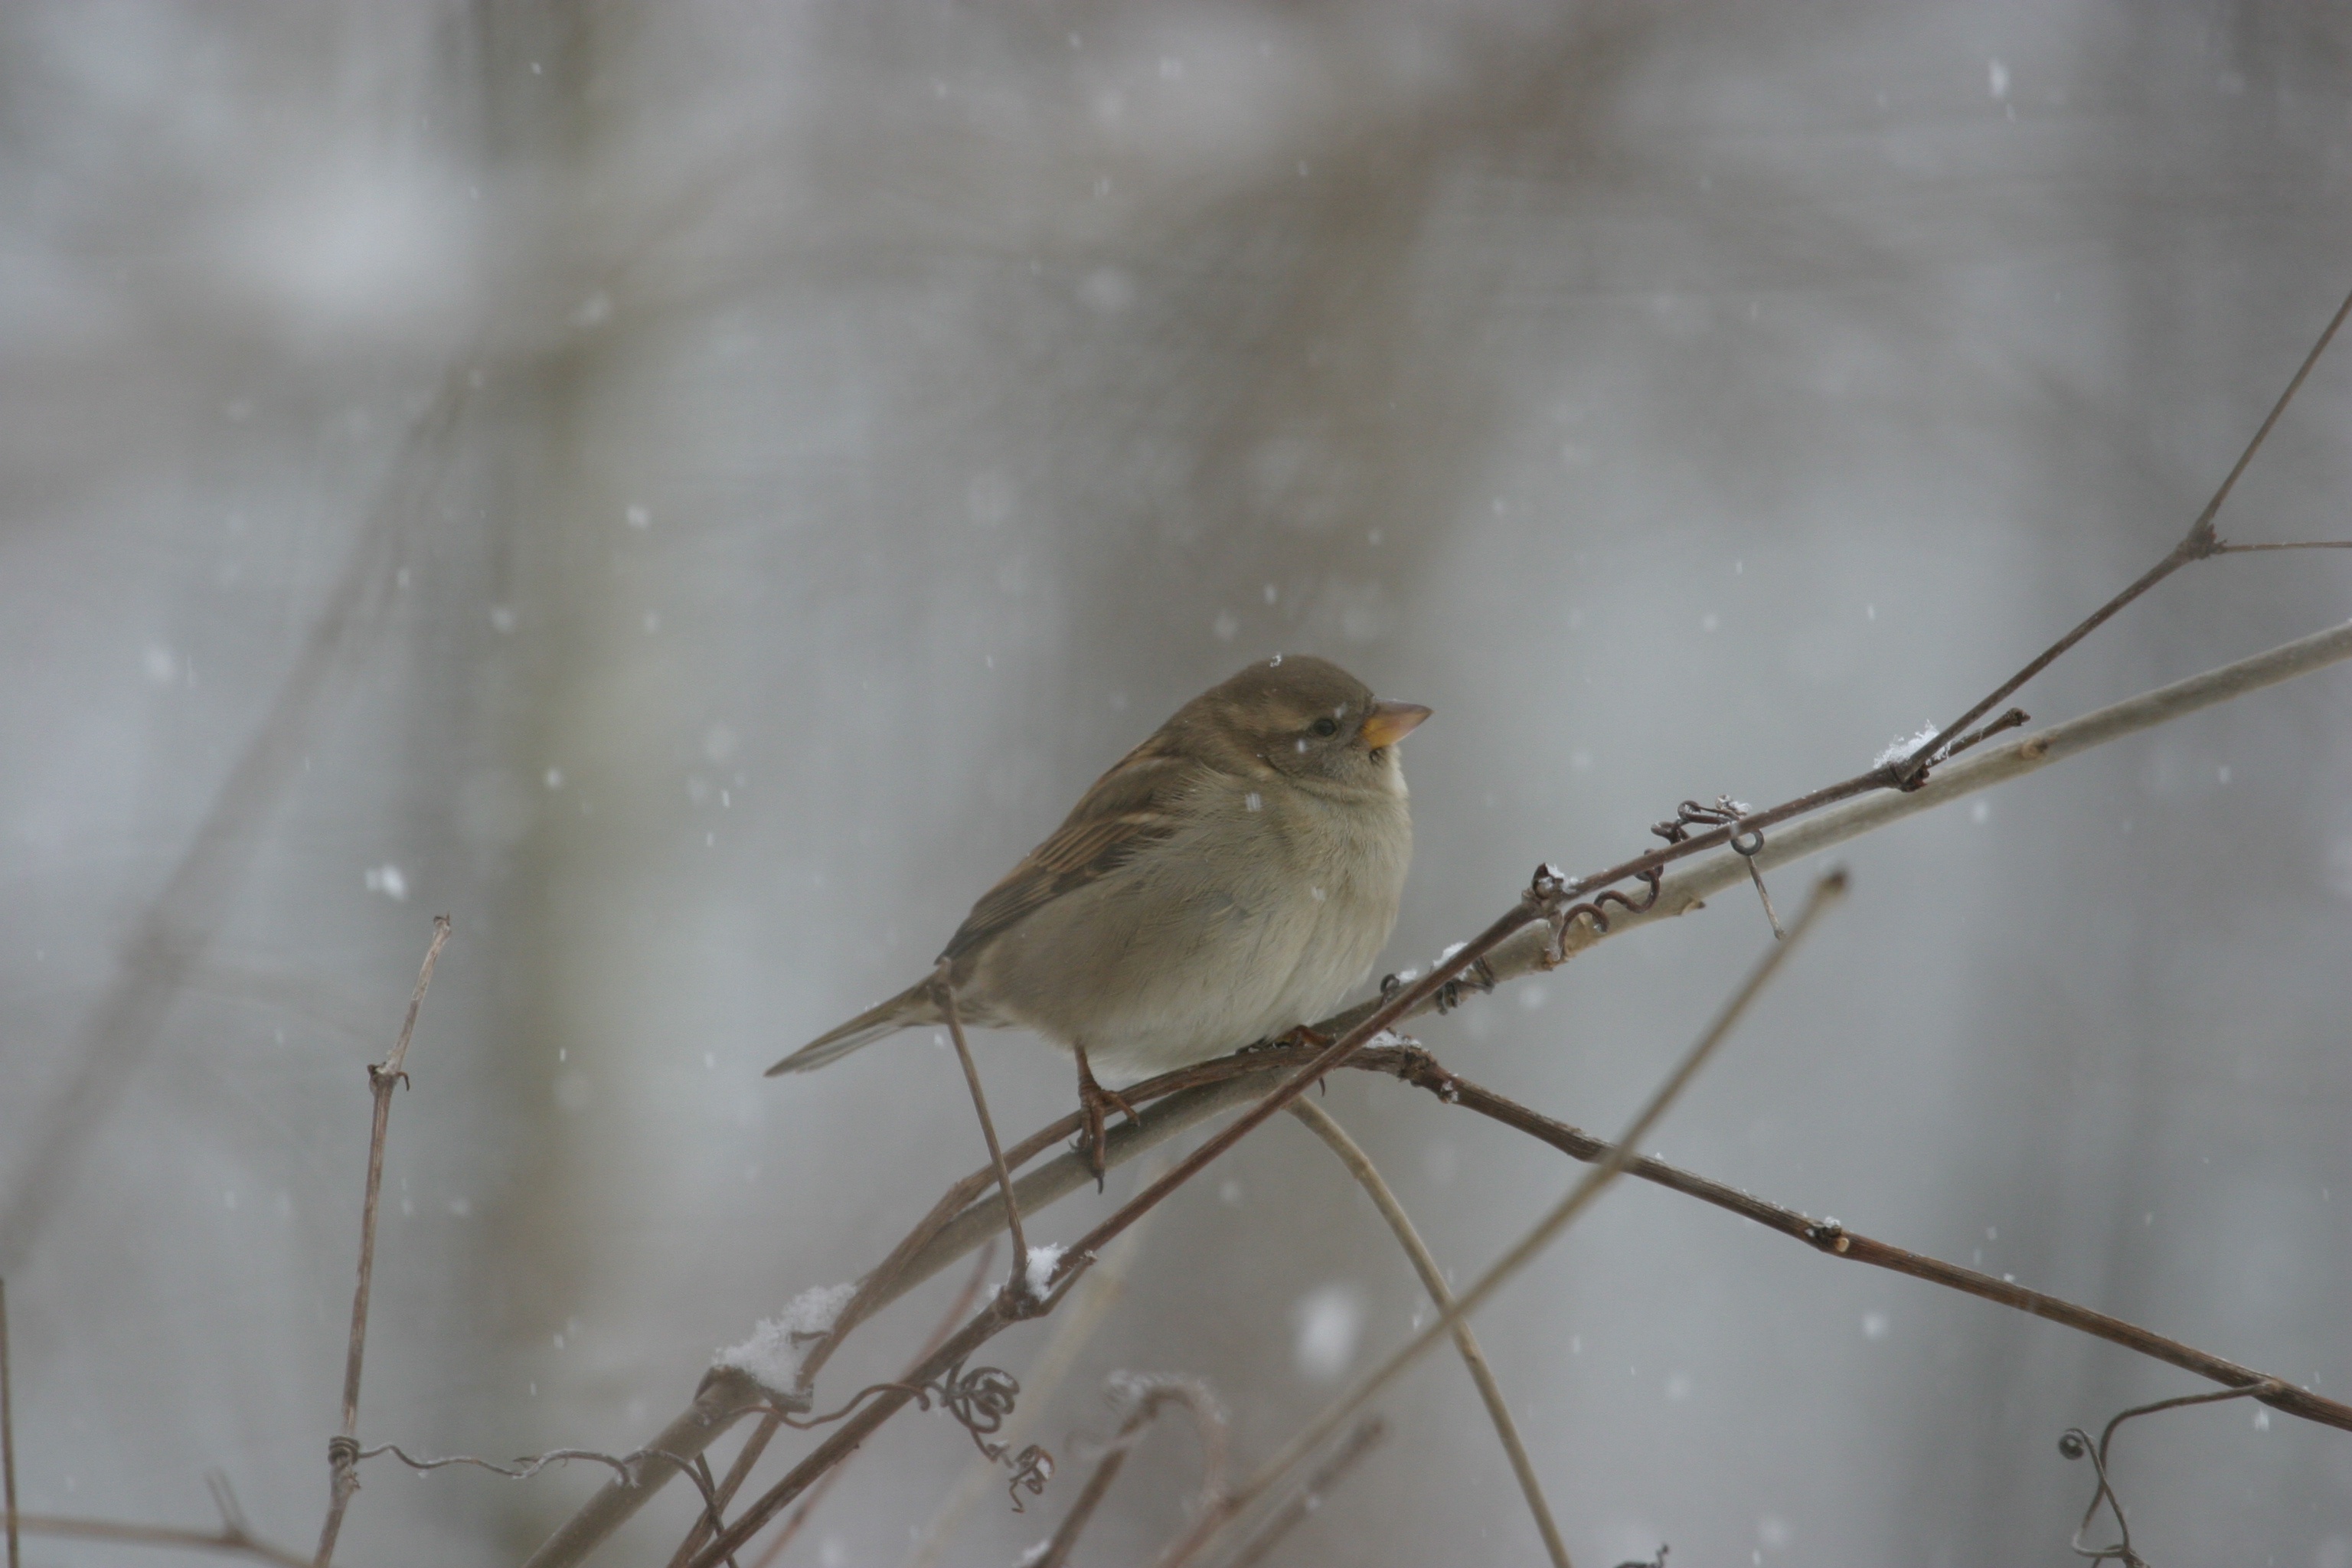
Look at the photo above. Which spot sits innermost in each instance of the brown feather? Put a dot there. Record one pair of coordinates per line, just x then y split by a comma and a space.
1129, 807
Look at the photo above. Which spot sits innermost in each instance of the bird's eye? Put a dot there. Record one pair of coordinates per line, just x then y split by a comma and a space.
1324, 727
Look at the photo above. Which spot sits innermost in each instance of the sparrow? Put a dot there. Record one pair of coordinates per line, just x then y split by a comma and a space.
1227, 881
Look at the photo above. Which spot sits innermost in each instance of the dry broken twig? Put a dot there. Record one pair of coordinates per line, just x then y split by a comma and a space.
343, 1450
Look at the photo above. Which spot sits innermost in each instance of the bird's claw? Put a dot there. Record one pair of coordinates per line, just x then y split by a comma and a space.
1094, 1105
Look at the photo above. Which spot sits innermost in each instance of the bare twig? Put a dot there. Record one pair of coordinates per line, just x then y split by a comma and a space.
343, 1452
944, 988
1835, 1240
7, 1433
2197, 544
1826, 892
1361, 1440
1058, 1546
958, 1223
1433, 1278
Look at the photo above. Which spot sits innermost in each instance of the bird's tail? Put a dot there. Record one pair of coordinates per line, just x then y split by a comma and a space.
914, 1004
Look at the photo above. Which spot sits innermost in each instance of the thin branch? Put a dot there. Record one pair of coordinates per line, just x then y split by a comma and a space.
1832, 1239
2300, 544
8, 1433
228, 1540
1366, 1435
2197, 544
1826, 893
1012, 1305
724, 1395
1687, 890
1433, 1278
343, 1452
944, 988
1066, 1536
775, 1548
748, 1456
959, 1224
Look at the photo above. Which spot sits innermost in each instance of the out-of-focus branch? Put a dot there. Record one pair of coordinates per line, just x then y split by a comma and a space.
959, 1222
1146, 1397
228, 1540
174, 934
1361, 1440
233, 1537
343, 1451
1432, 1279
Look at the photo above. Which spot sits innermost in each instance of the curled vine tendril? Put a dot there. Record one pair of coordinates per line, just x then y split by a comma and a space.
2075, 1444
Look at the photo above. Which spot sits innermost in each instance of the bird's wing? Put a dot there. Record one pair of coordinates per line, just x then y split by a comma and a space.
1137, 802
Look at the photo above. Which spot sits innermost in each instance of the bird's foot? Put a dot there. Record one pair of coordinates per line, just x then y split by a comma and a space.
1094, 1105
1303, 1038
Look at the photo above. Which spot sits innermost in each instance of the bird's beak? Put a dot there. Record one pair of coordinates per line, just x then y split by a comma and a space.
1389, 722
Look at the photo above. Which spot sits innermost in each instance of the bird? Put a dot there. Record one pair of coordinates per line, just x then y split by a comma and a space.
1226, 883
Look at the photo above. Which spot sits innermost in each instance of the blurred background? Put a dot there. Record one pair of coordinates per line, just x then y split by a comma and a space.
695, 490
